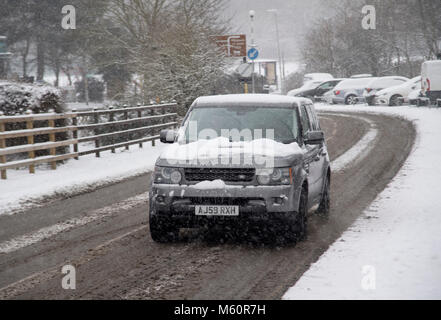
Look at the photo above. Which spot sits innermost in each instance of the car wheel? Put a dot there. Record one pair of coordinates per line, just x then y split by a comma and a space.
325, 204
395, 100
301, 222
351, 99
162, 230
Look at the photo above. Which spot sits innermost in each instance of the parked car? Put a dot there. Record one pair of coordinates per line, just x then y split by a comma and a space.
431, 80
328, 96
393, 95
379, 84
317, 77
350, 91
316, 94
196, 184
306, 87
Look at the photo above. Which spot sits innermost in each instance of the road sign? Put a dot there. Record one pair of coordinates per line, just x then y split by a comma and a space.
253, 54
233, 45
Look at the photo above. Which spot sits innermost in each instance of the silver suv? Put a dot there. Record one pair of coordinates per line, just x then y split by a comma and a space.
241, 159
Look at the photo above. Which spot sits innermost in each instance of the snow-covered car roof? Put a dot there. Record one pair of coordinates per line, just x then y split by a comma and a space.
307, 86
263, 100
412, 81
319, 76
353, 83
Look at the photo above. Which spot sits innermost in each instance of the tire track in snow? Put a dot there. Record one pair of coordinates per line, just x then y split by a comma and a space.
48, 232
361, 149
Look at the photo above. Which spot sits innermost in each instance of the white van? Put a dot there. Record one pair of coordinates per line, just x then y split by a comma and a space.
431, 80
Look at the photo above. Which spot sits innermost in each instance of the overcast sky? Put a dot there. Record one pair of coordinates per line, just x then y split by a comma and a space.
294, 17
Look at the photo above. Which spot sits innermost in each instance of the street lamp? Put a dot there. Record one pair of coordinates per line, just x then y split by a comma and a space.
278, 45
438, 47
252, 14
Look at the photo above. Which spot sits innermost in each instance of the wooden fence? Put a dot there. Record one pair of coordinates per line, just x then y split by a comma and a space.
82, 127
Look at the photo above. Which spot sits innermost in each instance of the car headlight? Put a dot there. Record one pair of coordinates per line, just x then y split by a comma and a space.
166, 175
276, 176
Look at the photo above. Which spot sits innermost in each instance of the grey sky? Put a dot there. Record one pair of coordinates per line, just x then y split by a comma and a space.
294, 17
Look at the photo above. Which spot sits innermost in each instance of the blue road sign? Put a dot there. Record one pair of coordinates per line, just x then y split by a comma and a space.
253, 53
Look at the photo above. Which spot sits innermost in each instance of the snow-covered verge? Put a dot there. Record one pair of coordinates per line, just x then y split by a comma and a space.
393, 251
23, 190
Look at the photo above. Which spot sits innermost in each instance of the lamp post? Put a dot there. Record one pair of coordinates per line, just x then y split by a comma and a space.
438, 47
278, 46
252, 15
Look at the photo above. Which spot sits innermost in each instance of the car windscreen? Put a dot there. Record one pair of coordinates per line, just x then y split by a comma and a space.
241, 123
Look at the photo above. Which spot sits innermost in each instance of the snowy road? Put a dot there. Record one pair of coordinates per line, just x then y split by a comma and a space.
104, 233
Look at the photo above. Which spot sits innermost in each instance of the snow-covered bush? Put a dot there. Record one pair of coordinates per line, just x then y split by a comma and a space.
17, 98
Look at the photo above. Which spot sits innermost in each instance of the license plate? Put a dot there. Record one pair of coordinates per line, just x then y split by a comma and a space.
217, 211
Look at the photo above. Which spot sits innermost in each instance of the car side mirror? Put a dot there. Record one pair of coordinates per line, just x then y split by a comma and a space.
167, 136
314, 138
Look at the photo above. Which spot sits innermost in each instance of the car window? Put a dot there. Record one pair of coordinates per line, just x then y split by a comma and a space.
279, 124
306, 125
327, 85
313, 118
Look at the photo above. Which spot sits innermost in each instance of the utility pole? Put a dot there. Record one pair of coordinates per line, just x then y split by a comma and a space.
253, 45
278, 47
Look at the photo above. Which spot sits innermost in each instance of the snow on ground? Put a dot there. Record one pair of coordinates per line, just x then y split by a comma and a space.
23, 190
393, 251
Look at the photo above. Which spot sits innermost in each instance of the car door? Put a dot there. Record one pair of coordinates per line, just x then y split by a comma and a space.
321, 160
323, 88
311, 164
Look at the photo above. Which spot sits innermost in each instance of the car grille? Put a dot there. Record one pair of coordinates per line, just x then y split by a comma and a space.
222, 201
226, 174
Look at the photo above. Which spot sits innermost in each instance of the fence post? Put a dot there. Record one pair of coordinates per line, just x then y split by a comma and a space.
152, 131
52, 139
111, 119
126, 117
75, 132
140, 116
30, 138
95, 132
2, 145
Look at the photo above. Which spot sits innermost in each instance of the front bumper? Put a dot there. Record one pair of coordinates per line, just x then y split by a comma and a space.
256, 203
381, 100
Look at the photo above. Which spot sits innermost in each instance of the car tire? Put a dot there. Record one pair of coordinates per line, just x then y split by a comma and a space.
300, 227
394, 100
162, 230
351, 99
325, 203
